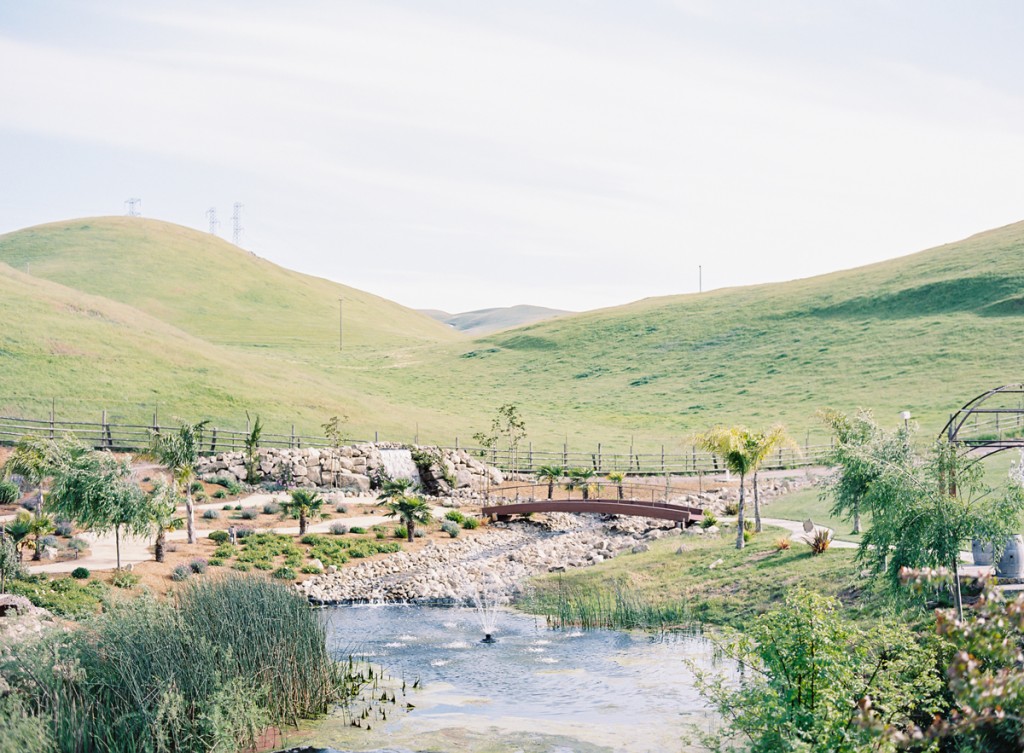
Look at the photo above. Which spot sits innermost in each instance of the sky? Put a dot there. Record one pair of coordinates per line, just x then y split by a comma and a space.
577, 154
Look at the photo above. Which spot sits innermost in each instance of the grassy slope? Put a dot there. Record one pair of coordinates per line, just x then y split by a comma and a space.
924, 332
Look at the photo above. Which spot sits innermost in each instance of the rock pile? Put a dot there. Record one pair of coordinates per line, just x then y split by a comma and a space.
350, 469
496, 562
19, 621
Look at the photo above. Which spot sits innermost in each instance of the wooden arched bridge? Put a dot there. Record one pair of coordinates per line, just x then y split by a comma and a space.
607, 498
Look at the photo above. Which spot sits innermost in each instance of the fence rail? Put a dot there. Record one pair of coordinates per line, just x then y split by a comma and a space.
525, 459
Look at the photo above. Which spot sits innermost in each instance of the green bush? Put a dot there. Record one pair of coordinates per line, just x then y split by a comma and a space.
470, 524
401, 532
311, 570
242, 567
225, 551
9, 493
284, 573
196, 486
312, 539
219, 537
80, 573
66, 597
180, 573
78, 545
339, 529
215, 562
455, 516
225, 507
221, 494
357, 529
124, 579
731, 508
263, 565
708, 520
451, 528
198, 565
210, 514
238, 507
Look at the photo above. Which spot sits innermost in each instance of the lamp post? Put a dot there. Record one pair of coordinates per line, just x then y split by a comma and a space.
905, 415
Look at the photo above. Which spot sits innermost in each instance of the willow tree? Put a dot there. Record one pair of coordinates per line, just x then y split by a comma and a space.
766, 442
179, 452
96, 490
739, 449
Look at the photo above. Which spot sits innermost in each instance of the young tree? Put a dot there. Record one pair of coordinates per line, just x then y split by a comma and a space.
765, 443
163, 504
179, 452
333, 429
809, 676
551, 475
411, 510
509, 428
95, 490
304, 504
252, 446
738, 447
31, 459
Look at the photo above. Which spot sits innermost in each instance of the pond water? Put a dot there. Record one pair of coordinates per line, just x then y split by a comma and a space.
534, 690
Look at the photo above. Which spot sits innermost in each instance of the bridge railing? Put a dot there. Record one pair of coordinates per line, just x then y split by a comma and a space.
595, 490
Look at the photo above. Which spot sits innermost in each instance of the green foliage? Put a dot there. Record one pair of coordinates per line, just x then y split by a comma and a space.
809, 675
9, 492
66, 597
470, 524
708, 520
455, 516
357, 529
311, 570
124, 579
451, 528
400, 532
210, 514
249, 513
304, 504
216, 562
618, 607
198, 565
20, 732
218, 536
225, 550
428, 461
262, 548
242, 567
284, 573
252, 445
410, 510
209, 671
731, 508
271, 508
10, 562
507, 428
333, 430
579, 478
181, 573
80, 573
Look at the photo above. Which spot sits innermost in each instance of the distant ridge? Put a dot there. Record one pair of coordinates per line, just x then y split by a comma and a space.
486, 321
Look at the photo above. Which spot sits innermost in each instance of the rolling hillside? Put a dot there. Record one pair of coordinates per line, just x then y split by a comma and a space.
137, 312
487, 321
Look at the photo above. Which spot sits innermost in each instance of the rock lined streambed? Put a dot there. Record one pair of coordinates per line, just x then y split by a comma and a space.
496, 562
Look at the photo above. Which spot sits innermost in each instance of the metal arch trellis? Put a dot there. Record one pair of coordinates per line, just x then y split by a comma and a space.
988, 418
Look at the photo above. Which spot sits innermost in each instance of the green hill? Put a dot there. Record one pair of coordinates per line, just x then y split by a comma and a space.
130, 312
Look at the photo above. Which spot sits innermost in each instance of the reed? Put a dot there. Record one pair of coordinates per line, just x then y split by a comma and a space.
620, 608
231, 657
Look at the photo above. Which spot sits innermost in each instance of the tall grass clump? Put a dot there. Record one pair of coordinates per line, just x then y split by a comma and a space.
622, 608
233, 656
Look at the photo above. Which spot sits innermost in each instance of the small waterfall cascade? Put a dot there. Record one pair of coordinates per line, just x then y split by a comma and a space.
398, 464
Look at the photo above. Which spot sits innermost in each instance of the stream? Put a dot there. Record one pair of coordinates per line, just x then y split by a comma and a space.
535, 690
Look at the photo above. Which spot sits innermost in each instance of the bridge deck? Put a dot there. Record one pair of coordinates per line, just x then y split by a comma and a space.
640, 508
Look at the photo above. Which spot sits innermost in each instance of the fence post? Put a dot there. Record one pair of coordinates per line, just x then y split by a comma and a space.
291, 442
103, 427
663, 459
456, 444
565, 453
376, 437
531, 457
598, 469
213, 441
53, 411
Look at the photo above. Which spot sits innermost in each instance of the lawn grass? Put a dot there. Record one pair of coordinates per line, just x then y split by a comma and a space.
129, 314
716, 584
808, 503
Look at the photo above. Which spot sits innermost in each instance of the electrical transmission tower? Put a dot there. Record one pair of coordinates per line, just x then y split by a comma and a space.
211, 215
133, 205
236, 224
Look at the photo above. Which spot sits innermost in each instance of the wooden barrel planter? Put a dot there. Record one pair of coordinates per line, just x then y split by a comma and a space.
982, 552
1011, 564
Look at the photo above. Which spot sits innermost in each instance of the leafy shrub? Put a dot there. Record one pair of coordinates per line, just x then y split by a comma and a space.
238, 507
215, 562
201, 497
63, 528
66, 597
451, 528
78, 545
820, 540
271, 508
748, 525
747, 535
401, 532
339, 529
51, 542
244, 532
124, 579
342, 509
180, 573
225, 507
221, 494
249, 513
219, 536
709, 520
311, 570
782, 544
362, 549
731, 508
80, 573
210, 514
9, 493
284, 573
455, 516
196, 486
311, 539
225, 551
357, 529
198, 565
242, 567
470, 524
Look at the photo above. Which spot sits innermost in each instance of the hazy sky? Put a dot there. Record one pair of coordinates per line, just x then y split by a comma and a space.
572, 154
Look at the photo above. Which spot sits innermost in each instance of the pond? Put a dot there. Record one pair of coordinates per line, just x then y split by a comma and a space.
533, 690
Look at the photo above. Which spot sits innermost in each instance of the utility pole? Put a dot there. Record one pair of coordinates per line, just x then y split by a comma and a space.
133, 205
236, 224
211, 215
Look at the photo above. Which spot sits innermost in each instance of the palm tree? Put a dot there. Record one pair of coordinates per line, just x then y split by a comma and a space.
579, 478
617, 477
163, 503
19, 530
30, 459
738, 448
305, 504
393, 488
767, 442
411, 510
551, 474
42, 525
179, 451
